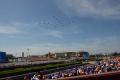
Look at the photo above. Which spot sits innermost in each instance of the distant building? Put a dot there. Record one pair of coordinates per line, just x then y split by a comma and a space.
59, 55
50, 55
54, 56
23, 54
70, 55
83, 55
37, 58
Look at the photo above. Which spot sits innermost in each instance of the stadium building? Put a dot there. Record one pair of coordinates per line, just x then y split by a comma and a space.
71, 55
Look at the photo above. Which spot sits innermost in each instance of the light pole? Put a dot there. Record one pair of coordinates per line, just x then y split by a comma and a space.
28, 54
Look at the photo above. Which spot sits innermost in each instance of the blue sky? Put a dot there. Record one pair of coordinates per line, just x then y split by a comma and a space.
59, 25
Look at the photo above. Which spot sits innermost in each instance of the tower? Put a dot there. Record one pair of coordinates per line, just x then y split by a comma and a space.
23, 55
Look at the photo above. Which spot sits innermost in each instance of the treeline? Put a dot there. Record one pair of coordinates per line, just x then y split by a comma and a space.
104, 56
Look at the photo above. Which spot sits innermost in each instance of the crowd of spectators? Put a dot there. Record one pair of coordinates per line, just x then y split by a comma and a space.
96, 68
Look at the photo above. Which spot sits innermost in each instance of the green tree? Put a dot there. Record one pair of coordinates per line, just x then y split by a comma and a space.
10, 56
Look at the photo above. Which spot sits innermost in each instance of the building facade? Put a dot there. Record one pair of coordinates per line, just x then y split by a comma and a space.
69, 55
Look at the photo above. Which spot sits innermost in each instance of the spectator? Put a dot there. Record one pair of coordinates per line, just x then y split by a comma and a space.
97, 68
26, 77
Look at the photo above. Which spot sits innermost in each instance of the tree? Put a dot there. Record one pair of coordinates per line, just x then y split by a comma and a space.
10, 56
115, 54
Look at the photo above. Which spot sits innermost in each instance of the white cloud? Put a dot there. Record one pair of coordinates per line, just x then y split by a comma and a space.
9, 30
96, 8
22, 24
50, 47
98, 45
58, 34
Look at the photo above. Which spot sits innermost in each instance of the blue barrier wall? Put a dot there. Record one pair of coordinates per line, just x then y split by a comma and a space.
85, 55
3, 57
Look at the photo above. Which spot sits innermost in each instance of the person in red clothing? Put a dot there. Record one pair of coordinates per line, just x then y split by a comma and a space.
26, 77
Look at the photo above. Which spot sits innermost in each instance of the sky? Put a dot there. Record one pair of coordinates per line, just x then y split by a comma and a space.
44, 26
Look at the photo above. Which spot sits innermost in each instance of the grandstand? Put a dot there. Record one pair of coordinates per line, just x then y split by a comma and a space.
101, 70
